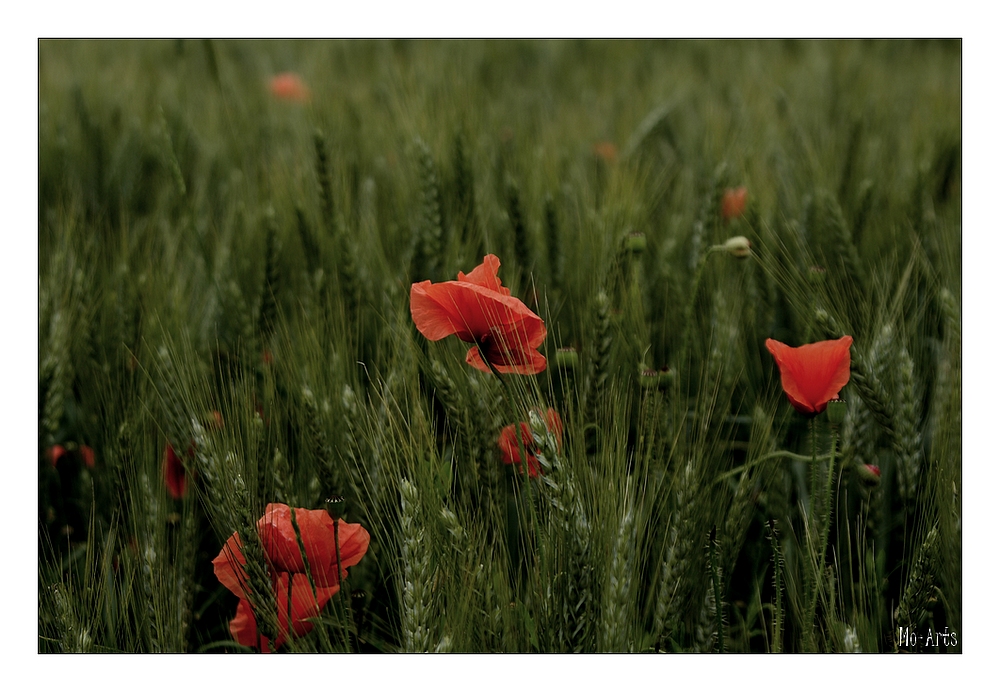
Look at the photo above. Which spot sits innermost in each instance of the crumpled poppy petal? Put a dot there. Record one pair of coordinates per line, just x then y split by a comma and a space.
485, 275
243, 627
524, 362
229, 566
812, 375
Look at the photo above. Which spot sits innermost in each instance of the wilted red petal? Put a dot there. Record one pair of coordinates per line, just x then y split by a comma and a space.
174, 475
812, 375
88, 456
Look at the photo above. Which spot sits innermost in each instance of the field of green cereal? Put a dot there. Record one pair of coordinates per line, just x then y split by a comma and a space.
259, 428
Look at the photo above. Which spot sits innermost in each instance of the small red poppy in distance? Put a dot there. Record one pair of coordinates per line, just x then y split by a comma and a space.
479, 310
812, 375
734, 201
277, 534
511, 450
174, 475
56, 452
288, 86
606, 151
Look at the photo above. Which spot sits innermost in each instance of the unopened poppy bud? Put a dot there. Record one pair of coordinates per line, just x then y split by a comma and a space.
836, 411
648, 378
567, 358
737, 246
870, 474
635, 242
335, 506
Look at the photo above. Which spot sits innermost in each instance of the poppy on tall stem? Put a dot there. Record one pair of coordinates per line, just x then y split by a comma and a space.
479, 310
812, 376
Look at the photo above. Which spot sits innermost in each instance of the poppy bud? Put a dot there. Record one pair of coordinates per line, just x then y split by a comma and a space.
869, 474
836, 411
567, 358
648, 378
335, 506
737, 246
635, 242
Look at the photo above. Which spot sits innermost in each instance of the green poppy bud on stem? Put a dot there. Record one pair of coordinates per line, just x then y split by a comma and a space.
635, 242
648, 378
335, 506
737, 246
836, 410
567, 358
869, 474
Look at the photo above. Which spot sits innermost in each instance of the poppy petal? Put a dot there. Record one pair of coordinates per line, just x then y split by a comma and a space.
228, 566
485, 275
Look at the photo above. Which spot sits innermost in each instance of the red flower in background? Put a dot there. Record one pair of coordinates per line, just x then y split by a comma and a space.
479, 310
56, 452
288, 86
511, 450
277, 534
606, 151
174, 474
734, 201
812, 375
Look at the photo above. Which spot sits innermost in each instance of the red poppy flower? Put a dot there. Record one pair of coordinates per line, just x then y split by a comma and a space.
479, 310
174, 474
55, 453
606, 151
288, 86
285, 562
734, 201
511, 450
812, 375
